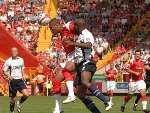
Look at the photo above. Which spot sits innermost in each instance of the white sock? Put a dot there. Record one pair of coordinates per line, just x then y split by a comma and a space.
111, 100
70, 88
144, 104
58, 106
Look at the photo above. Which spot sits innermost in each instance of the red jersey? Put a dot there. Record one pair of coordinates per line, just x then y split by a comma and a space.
68, 32
111, 74
137, 66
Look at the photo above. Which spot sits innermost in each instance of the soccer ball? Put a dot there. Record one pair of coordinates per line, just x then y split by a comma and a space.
44, 19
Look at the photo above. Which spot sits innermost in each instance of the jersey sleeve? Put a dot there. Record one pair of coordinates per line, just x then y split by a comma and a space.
6, 66
22, 64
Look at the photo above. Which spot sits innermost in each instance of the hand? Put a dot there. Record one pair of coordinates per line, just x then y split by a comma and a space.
23, 78
10, 78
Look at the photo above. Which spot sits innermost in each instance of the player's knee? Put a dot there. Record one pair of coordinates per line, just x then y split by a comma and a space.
86, 83
25, 93
143, 92
12, 100
70, 66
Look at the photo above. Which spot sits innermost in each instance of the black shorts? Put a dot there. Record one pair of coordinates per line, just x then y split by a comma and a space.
147, 84
16, 85
86, 65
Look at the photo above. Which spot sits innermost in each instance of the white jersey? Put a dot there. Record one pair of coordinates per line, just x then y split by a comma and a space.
14, 67
84, 54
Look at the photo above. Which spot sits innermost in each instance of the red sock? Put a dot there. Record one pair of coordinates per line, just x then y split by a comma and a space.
68, 75
110, 93
56, 86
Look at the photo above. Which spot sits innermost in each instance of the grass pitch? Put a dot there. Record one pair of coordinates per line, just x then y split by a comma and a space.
43, 104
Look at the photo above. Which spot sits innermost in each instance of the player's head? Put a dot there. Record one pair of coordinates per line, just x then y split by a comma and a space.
55, 26
14, 52
111, 65
117, 66
79, 25
137, 54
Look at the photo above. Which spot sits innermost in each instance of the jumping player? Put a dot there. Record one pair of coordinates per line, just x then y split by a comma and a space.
68, 67
111, 75
13, 72
147, 81
136, 69
86, 68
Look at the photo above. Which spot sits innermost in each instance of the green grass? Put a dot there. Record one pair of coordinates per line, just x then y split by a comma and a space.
39, 104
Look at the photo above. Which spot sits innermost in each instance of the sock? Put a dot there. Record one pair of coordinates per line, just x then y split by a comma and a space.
144, 102
137, 99
23, 99
12, 106
110, 93
96, 92
110, 99
58, 106
90, 105
70, 88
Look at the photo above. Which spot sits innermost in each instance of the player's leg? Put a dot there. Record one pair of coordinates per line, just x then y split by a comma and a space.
131, 90
125, 101
86, 80
12, 104
56, 82
12, 94
138, 97
141, 87
68, 73
110, 88
87, 101
21, 87
143, 98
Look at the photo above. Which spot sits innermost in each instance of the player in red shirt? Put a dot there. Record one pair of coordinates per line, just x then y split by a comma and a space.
111, 75
66, 72
136, 69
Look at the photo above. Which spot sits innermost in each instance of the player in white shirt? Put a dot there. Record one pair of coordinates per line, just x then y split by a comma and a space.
86, 68
13, 72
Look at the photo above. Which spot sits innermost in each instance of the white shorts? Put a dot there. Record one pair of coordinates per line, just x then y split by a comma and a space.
70, 57
111, 85
136, 86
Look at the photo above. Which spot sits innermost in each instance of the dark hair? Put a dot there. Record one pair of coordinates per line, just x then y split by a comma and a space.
53, 21
138, 50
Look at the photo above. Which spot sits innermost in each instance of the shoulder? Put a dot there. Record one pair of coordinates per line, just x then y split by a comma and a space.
87, 32
19, 58
8, 60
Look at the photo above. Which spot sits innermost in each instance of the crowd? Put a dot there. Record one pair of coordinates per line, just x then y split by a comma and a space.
112, 19
21, 19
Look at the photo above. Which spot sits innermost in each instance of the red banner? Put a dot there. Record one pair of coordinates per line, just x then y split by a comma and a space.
7, 41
